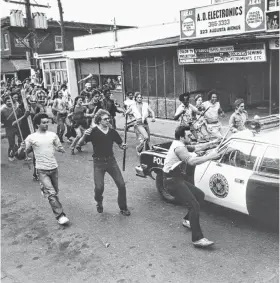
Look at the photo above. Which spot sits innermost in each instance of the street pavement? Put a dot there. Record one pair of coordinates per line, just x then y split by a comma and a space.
149, 246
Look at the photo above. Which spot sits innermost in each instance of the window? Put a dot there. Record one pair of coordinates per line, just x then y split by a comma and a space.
270, 161
241, 154
58, 42
6, 41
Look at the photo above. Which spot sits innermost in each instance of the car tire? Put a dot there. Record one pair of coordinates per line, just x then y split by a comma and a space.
164, 194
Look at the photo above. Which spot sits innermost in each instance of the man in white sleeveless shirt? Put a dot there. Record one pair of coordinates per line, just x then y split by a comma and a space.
141, 110
174, 178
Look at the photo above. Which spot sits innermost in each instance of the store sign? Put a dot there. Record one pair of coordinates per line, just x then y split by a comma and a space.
227, 18
21, 42
242, 53
274, 44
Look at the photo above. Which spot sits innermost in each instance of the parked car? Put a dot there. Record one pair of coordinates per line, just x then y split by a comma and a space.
245, 178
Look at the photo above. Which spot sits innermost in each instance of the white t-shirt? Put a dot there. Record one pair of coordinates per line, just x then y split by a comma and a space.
44, 146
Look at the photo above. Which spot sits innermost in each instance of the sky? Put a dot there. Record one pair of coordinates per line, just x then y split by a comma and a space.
126, 12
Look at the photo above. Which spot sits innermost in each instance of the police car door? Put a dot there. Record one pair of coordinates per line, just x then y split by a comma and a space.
224, 181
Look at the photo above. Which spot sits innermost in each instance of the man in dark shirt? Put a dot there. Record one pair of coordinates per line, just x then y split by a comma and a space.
110, 106
102, 138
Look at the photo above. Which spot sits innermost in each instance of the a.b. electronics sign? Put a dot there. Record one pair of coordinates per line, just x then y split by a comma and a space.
241, 53
228, 18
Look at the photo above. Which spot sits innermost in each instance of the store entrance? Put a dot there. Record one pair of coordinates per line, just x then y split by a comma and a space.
231, 81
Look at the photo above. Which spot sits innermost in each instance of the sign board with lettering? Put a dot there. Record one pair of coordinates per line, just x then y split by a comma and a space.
227, 18
274, 44
241, 53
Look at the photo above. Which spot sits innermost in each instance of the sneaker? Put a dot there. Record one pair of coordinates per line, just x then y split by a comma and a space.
125, 212
69, 140
62, 220
79, 148
11, 159
203, 243
27, 158
186, 223
35, 178
99, 207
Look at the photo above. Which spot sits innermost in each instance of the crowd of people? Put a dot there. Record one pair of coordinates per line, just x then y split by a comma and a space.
91, 118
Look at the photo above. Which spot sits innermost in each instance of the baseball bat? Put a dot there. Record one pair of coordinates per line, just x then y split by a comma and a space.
125, 137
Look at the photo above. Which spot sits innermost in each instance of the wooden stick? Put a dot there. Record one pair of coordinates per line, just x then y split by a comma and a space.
21, 136
125, 137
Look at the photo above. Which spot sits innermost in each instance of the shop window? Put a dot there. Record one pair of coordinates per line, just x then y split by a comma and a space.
46, 66
63, 64
6, 41
93, 80
58, 42
113, 82
52, 65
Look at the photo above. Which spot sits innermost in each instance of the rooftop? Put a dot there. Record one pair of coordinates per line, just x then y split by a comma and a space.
72, 25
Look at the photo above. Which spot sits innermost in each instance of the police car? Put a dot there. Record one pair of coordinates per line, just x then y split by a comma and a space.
245, 178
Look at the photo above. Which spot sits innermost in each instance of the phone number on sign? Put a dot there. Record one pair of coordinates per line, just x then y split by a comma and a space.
218, 23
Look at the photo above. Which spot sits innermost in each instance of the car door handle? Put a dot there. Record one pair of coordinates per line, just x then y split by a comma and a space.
219, 164
239, 181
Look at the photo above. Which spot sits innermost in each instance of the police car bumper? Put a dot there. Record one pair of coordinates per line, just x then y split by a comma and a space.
140, 172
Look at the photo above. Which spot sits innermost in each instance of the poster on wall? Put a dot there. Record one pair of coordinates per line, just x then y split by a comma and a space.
241, 53
227, 18
272, 21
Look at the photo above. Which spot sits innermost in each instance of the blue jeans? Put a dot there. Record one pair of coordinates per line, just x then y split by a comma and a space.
190, 196
49, 181
109, 165
11, 133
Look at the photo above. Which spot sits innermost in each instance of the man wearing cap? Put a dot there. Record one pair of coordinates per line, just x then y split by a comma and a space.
239, 117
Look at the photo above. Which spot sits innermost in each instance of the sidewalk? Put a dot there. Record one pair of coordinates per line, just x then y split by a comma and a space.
7, 279
165, 128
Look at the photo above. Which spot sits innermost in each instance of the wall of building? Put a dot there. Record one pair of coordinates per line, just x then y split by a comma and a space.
157, 75
17, 48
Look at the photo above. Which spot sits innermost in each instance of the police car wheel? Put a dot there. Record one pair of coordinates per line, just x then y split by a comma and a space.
164, 193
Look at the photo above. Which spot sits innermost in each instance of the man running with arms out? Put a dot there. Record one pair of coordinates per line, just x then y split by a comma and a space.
174, 179
44, 143
102, 138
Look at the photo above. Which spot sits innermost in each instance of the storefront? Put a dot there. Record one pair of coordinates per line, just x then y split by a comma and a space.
226, 47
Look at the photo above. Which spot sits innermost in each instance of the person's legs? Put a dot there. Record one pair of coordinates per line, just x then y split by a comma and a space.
78, 136
115, 172
184, 194
143, 137
11, 134
49, 180
99, 170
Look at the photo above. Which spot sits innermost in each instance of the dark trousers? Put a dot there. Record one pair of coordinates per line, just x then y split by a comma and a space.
109, 165
11, 133
189, 195
49, 187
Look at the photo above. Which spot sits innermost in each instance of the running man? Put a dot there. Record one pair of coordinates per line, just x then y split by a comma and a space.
60, 108
102, 138
44, 143
239, 117
141, 110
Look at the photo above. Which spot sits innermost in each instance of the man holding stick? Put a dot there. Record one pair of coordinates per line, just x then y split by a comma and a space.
102, 138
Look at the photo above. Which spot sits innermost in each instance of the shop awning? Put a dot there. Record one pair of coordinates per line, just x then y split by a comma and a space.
232, 38
12, 66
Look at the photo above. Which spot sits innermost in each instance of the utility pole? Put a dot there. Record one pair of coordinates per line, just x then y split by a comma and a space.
32, 35
61, 24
